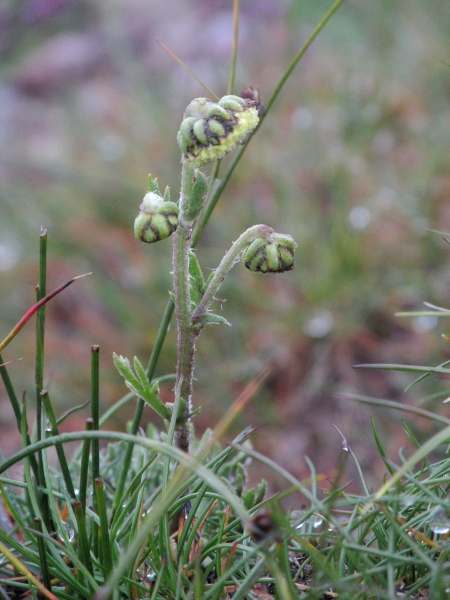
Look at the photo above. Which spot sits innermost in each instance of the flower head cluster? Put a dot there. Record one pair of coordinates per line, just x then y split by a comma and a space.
209, 130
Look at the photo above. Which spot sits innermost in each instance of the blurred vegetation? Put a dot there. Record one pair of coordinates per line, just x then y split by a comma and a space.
353, 162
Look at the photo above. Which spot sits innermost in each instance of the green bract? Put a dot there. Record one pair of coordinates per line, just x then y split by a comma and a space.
211, 129
157, 219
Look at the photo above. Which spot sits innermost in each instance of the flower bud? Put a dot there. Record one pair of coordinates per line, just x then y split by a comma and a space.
157, 219
211, 129
272, 254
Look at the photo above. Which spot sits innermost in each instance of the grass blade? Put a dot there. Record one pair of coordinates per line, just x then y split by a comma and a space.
103, 532
42, 554
84, 469
59, 449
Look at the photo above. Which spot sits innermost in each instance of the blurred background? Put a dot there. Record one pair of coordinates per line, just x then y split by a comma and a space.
353, 162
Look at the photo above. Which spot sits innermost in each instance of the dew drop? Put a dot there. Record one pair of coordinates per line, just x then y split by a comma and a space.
440, 529
440, 521
317, 521
69, 532
297, 519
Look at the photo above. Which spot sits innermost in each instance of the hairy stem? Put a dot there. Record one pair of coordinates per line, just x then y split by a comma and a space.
231, 258
186, 342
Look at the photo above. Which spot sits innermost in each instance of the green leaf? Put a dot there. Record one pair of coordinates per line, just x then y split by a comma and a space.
249, 499
139, 384
196, 190
197, 280
261, 489
210, 319
195, 271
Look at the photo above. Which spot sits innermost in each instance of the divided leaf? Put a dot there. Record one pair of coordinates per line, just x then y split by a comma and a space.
139, 384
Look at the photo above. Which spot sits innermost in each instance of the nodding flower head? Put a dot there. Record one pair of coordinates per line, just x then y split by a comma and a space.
211, 129
157, 219
271, 254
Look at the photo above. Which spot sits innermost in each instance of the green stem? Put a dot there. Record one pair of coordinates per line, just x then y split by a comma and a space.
10, 391
82, 539
235, 46
230, 259
95, 444
186, 345
317, 29
103, 532
42, 554
84, 470
39, 368
40, 330
16, 408
59, 449
95, 401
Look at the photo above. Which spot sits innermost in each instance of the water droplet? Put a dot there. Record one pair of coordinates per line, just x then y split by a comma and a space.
151, 576
440, 521
70, 533
297, 519
317, 521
